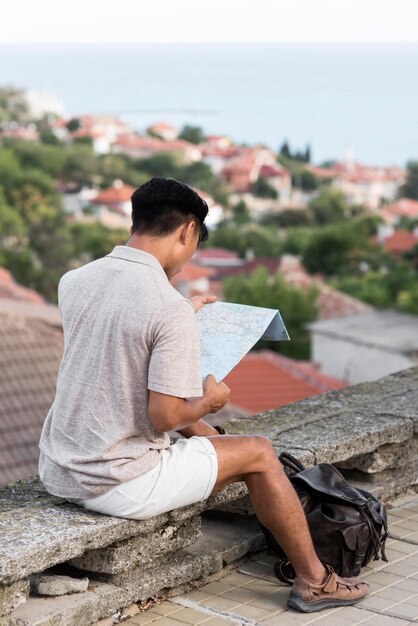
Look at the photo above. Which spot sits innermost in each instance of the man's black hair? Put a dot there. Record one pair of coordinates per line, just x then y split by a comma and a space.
161, 205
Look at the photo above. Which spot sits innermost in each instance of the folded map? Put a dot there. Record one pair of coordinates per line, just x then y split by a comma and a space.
228, 331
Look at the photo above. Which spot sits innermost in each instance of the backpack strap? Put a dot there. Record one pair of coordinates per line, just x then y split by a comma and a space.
291, 462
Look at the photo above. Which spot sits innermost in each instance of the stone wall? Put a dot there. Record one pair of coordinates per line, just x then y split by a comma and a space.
60, 564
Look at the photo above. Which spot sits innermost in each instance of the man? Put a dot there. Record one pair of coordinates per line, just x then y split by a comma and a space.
131, 372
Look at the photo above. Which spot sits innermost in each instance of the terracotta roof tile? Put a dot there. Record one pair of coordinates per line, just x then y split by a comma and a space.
402, 208
401, 241
265, 380
30, 355
10, 289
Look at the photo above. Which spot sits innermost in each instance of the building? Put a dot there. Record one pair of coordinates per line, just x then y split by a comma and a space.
31, 346
398, 242
164, 131
143, 147
404, 208
116, 198
364, 185
193, 280
243, 170
266, 380
42, 103
365, 346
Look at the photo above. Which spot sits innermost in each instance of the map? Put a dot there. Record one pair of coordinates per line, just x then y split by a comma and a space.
228, 331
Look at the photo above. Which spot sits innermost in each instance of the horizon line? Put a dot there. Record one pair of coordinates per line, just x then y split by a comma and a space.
209, 41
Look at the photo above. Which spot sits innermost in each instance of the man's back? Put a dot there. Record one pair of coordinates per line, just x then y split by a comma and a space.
125, 327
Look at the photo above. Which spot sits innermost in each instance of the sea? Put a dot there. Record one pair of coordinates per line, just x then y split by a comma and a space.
357, 97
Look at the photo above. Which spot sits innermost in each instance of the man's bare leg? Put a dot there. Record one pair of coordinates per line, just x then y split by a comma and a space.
253, 460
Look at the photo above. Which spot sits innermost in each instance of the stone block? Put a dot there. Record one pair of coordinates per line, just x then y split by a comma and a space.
386, 484
217, 545
139, 551
12, 596
56, 585
389, 456
37, 535
340, 437
242, 506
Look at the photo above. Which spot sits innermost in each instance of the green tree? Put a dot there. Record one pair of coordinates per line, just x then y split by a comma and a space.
193, 134
297, 307
73, 124
260, 240
328, 251
263, 189
288, 218
328, 207
410, 188
241, 213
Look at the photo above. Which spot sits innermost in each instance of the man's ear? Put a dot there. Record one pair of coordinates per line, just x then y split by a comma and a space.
187, 231
131, 231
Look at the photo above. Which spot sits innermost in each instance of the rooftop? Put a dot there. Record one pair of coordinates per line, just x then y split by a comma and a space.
387, 330
265, 380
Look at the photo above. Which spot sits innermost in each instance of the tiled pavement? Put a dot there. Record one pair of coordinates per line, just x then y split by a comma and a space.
252, 595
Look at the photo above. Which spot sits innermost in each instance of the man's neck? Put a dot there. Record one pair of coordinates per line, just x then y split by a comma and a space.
157, 246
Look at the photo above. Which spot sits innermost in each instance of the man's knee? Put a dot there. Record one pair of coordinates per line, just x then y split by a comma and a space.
262, 452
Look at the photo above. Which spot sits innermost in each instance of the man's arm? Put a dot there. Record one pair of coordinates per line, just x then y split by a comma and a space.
199, 429
171, 413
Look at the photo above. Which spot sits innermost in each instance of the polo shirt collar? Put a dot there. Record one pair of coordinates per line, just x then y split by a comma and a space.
128, 253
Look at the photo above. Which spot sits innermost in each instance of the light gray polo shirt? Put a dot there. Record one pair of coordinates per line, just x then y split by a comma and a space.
126, 330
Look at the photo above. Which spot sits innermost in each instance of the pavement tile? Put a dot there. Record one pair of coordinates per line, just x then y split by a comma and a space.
145, 618
394, 593
383, 578
199, 595
374, 587
265, 586
217, 587
385, 620
354, 614
402, 569
376, 603
409, 584
268, 559
221, 604
168, 621
413, 600
166, 608
289, 618
241, 594
190, 616
405, 610
218, 621
236, 579
274, 601
332, 620
254, 612
404, 513
258, 570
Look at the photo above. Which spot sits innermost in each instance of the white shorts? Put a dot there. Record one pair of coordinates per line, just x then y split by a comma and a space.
186, 474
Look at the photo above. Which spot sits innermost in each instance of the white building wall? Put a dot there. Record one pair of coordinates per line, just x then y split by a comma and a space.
355, 363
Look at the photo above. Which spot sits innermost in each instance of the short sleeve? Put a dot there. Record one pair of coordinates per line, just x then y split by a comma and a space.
174, 367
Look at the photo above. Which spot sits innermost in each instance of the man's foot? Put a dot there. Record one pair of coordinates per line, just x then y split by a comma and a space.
335, 591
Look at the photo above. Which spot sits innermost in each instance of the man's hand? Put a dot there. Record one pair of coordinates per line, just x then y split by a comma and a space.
216, 394
199, 301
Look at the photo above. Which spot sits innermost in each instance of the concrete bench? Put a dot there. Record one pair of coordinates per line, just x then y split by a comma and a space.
370, 431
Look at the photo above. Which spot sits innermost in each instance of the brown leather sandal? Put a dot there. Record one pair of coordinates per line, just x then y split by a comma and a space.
335, 591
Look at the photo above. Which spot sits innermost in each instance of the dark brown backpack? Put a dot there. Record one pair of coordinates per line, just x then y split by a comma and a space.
348, 525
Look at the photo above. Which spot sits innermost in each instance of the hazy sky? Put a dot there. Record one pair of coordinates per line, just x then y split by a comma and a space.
27, 21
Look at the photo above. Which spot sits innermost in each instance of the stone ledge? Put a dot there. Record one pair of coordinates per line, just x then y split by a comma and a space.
370, 430
33, 538
220, 544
